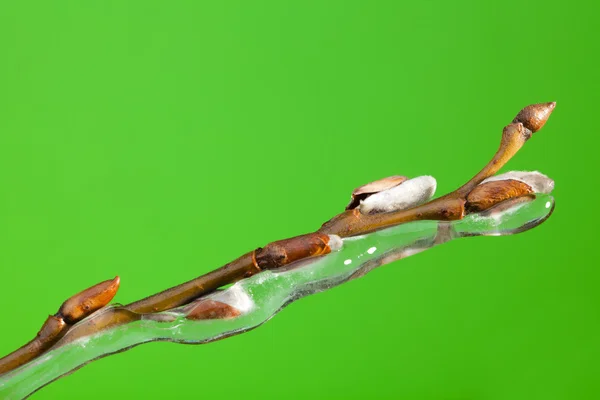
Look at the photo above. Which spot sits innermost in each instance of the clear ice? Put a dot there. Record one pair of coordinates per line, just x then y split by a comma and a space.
261, 296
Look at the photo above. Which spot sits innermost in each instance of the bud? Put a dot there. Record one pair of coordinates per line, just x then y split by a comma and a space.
534, 117
538, 182
410, 194
282, 252
211, 309
367, 190
86, 302
489, 194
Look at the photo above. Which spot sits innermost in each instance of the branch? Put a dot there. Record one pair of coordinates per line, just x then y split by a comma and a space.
473, 196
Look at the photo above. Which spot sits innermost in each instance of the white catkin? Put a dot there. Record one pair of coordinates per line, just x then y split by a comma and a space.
539, 182
408, 194
335, 242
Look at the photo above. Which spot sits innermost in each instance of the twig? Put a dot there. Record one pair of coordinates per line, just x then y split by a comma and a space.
56, 326
471, 197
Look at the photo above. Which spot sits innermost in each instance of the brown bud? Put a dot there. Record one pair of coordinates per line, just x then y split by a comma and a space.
534, 117
489, 194
283, 252
52, 329
380, 185
86, 302
211, 309
507, 205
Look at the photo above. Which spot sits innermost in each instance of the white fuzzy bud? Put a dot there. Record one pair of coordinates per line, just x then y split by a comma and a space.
408, 194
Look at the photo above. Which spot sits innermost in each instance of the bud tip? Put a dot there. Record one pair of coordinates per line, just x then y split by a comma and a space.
534, 116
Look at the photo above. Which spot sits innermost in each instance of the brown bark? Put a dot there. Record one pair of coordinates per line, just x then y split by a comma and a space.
353, 222
278, 254
56, 326
179, 295
52, 330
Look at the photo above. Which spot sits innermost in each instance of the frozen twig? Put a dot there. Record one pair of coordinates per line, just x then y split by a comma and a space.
376, 206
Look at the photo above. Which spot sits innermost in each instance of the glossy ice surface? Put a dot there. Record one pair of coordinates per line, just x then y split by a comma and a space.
260, 297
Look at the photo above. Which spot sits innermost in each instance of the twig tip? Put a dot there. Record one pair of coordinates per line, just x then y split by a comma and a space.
534, 117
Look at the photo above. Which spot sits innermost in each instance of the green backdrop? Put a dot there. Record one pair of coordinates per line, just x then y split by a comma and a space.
159, 140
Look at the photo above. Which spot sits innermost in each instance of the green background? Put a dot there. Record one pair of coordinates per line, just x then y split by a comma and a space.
159, 140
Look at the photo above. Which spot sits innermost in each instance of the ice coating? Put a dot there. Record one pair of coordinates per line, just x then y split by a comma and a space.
261, 296
235, 296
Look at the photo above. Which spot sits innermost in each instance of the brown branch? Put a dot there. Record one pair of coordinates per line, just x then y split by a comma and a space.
56, 326
451, 206
274, 255
352, 222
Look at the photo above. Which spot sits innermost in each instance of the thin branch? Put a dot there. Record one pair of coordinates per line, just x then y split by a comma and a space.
470, 197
